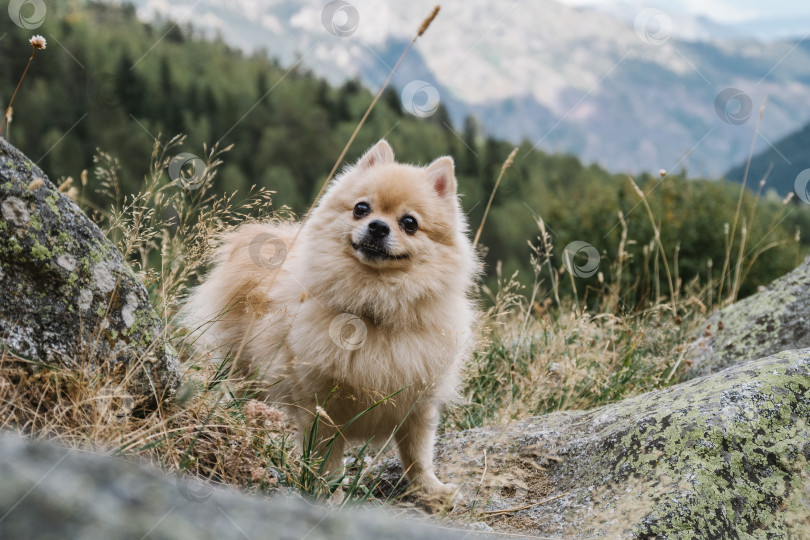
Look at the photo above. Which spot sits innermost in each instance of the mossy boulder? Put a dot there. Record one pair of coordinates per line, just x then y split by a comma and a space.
49, 492
775, 319
68, 298
722, 456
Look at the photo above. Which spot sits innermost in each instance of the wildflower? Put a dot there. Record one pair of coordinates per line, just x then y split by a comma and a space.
37, 42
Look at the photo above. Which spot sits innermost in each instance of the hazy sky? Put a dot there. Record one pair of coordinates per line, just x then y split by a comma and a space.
728, 11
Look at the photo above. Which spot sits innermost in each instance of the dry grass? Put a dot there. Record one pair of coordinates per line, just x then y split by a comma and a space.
539, 360
542, 353
165, 233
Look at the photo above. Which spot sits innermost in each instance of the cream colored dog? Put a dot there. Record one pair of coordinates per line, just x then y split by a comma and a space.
368, 297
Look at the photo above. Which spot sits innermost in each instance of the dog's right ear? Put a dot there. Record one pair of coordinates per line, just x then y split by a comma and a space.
378, 154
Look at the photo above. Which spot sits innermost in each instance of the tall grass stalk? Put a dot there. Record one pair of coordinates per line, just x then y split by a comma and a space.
506, 164
422, 28
673, 294
727, 260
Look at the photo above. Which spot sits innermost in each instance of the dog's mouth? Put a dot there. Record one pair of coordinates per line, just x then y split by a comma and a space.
377, 252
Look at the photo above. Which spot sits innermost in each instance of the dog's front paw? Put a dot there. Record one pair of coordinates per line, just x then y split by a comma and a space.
436, 494
444, 490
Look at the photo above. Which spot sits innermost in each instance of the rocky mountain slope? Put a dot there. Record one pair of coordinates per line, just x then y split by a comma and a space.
722, 456
632, 91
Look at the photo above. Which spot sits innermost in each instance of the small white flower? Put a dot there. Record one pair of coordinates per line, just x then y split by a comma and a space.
37, 42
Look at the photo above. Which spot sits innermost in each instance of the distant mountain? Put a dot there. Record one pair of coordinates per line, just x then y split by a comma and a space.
632, 89
691, 27
776, 28
783, 163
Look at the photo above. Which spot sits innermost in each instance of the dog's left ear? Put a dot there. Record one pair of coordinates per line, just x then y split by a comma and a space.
378, 154
442, 174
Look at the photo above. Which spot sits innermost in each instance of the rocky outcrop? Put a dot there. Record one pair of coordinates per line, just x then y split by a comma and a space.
773, 320
52, 492
66, 295
723, 456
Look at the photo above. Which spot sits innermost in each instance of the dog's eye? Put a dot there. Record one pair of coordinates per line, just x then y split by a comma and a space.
409, 224
361, 209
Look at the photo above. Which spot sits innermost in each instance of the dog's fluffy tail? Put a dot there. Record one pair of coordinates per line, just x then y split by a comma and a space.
221, 312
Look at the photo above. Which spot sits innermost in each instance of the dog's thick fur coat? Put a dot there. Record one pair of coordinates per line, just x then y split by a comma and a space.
328, 314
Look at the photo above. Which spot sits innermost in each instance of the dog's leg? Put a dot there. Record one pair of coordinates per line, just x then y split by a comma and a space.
415, 443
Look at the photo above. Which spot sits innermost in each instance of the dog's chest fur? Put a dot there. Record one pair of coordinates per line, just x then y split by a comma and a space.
381, 358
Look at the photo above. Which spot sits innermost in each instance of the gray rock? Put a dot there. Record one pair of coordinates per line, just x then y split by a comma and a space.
48, 492
723, 456
770, 321
66, 295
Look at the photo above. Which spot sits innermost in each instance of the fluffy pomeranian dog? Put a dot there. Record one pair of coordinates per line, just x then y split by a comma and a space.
361, 315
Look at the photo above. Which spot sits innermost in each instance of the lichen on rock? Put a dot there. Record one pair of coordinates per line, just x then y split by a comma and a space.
721, 456
773, 320
67, 295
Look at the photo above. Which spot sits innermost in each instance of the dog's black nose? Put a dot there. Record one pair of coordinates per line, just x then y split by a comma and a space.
378, 230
